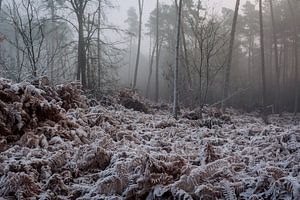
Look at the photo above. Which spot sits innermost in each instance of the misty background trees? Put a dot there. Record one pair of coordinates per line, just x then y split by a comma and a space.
245, 57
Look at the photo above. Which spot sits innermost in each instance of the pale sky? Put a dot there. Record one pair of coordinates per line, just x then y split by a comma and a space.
119, 15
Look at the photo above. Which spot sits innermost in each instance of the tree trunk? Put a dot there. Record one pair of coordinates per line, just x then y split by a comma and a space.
88, 56
277, 99
17, 43
53, 39
99, 48
263, 72
249, 61
295, 38
79, 9
141, 5
150, 70
81, 53
130, 58
229, 59
175, 93
0, 44
157, 54
186, 59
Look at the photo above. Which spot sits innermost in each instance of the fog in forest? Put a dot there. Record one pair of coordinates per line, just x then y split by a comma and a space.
150, 99
228, 53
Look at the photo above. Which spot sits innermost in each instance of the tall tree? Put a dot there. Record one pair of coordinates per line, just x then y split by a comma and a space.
79, 7
17, 41
229, 59
51, 5
262, 53
150, 70
275, 42
157, 53
0, 36
132, 21
141, 6
296, 62
99, 47
175, 92
250, 29
133, 26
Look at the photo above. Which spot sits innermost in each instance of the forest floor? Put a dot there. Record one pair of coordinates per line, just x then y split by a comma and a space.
56, 144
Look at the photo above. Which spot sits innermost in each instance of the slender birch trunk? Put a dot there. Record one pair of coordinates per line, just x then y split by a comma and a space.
141, 5
99, 48
262, 48
157, 54
296, 40
175, 92
229, 59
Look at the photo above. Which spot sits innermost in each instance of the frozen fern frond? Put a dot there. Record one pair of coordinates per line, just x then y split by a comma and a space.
160, 179
210, 154
56, 185
216, 169
290, 185
276, 172
18, 183
160, 192
58, 160
207, 192
228, 191
237, 167
216, 166
110, 185
255, 197
181, 195
239, 187
95, 159
262, 185
292, 144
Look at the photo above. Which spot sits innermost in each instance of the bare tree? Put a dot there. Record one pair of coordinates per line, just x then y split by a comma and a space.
262, 53
208, 42
19, 66
79, 7
175, 93
229, 59
141, 6
99, 46
31, 31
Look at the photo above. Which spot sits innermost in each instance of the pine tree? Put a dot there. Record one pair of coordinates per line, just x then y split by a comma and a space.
229, 59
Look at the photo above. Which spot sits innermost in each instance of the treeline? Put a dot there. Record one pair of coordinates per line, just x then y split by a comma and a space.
248, 61
204, 53
62, 39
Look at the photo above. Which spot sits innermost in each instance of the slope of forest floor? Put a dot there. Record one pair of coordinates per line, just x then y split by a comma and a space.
56, 144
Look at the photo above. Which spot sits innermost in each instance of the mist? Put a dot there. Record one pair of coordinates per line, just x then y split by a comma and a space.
149, 99
98, 44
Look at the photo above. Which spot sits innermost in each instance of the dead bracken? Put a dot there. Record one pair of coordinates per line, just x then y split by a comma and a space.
53, 146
